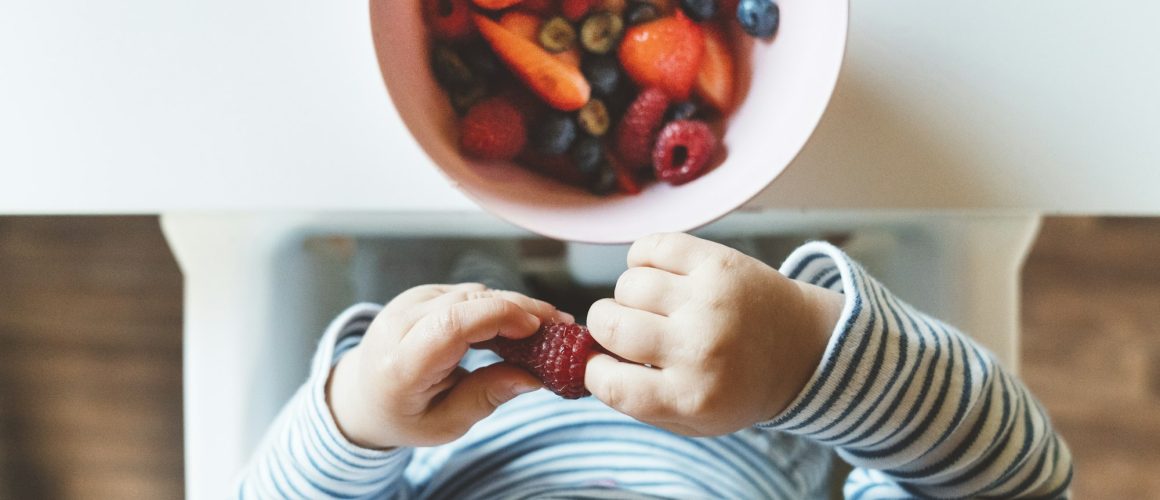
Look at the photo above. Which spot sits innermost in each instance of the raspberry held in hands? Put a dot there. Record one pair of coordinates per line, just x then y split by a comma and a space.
557, 354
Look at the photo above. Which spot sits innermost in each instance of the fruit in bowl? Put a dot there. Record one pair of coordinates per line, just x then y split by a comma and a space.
604, 95
760, 121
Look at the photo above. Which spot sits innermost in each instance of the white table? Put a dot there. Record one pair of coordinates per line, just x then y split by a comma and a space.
251, 124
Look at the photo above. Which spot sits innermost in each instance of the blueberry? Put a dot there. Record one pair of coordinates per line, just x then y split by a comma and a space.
602, 73
587, 153
619, 100
482, 61
641, 12
604, 182
699, 10
759, 18
680, 111
554, 133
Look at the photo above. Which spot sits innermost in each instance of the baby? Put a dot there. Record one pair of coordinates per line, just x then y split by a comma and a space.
730, 380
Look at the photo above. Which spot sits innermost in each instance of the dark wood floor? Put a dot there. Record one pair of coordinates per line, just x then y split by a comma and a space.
90, 355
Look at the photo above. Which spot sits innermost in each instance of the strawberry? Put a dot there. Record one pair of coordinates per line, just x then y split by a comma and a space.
559, 84
638, 129
683, 151
715, 80
449, 19
575, 10
664, 53
493, 129
557, 354
495, 4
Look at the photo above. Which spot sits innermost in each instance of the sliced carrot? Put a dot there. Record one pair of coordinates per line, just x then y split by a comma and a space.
557, 83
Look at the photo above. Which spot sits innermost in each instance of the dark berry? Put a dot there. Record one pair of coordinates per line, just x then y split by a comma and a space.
593, 118
600, 32
602, 73
683, 151
759, 18
557, 354
605, 182
492, 130
680, 111
639, 126
641, 12
554, 133
450, 69
483, 62
699, 10
587, 153
618, 101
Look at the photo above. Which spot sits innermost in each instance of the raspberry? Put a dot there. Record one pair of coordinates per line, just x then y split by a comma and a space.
557, 354
494, 129
683, 151
638, 129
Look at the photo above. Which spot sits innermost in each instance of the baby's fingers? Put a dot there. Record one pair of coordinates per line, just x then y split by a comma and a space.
539, 308
635, 390
478, 394
440, 339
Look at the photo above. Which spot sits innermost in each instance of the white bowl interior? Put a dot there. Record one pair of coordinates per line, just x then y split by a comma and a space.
793, 78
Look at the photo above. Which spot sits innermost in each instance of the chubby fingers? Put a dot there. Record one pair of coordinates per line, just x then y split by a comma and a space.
677, 253
477, 394
472, 291
651, 289
633, 334
637, 391
436, 343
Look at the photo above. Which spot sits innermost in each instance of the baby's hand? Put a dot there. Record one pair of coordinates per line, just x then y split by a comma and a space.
402, 386
718, 341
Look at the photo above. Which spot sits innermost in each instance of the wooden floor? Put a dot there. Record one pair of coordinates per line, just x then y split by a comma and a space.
90, 355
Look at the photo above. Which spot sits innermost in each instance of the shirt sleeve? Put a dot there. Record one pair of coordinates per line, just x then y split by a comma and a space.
304, 455
914, 405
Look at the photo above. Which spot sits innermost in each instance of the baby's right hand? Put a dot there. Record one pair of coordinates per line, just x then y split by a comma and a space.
402, 386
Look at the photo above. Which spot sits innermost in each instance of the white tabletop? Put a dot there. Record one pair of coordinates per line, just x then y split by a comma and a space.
140, 106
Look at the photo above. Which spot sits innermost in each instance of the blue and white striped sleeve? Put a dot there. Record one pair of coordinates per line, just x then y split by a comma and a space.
914, 405
304, 455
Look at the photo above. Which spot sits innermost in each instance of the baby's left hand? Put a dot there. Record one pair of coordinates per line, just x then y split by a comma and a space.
728, 341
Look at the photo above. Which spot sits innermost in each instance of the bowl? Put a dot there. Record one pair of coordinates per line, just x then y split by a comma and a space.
790, 81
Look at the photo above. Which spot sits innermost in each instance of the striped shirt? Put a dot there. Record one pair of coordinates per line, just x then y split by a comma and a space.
915, 406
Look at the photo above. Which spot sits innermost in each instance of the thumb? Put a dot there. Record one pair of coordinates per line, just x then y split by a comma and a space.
480, 392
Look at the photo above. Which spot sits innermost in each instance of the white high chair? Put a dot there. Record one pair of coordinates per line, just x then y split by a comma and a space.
260, 289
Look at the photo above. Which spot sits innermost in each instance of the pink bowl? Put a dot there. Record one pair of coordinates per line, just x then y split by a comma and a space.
792, 80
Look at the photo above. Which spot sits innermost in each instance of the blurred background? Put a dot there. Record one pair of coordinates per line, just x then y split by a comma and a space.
90, 354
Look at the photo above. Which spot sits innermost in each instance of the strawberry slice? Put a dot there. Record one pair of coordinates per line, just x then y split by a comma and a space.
559, 84
495, 4
664, 53
715, 83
